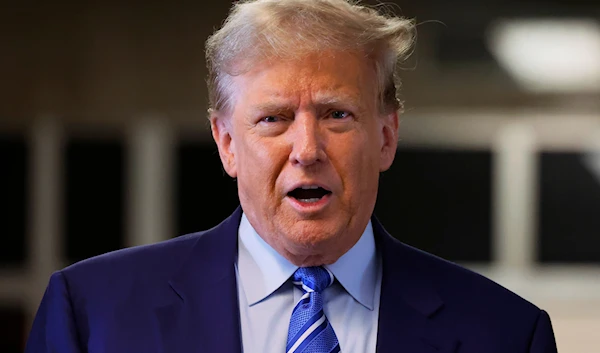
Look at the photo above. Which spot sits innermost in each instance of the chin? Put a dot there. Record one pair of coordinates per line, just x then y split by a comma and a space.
311, 236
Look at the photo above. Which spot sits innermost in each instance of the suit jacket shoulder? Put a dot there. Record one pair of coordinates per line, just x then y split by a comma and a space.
122, 271
466, 288
454, 306
114, 302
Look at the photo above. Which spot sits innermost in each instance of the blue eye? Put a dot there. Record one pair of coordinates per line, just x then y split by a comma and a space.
270, 119
339, 114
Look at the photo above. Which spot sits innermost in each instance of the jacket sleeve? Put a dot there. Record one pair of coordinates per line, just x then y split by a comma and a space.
54, 329
543, 336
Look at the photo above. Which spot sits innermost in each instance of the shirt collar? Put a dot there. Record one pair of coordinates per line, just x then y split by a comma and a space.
262, 270
356, 270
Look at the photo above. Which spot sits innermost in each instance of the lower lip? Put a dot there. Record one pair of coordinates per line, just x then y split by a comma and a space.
310, 206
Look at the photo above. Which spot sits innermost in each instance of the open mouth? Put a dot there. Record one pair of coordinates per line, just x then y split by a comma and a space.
309, 194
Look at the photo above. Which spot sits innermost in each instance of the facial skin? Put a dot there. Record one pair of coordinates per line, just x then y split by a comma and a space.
311, 121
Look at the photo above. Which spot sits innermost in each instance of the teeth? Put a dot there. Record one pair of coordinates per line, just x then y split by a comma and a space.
309, 187
311, 200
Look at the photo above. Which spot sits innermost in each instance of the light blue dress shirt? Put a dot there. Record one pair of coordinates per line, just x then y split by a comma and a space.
267, 296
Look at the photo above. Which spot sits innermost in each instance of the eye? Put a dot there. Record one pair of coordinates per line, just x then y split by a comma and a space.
270, 119
339, 114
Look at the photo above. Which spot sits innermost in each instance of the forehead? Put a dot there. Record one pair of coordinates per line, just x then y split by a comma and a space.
324, 78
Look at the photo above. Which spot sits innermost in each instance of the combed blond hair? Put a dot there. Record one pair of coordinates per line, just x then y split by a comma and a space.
260, 30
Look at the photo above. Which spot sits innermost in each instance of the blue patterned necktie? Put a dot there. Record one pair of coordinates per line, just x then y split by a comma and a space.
310, 331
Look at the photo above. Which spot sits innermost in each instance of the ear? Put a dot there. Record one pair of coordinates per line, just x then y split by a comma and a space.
389, 140
222, 133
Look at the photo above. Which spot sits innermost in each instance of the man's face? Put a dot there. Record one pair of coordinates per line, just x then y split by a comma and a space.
306, 142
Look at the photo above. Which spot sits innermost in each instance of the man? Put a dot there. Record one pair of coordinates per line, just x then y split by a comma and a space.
305, 117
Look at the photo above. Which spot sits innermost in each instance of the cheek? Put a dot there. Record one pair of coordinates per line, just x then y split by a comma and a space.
259, 164
357, 163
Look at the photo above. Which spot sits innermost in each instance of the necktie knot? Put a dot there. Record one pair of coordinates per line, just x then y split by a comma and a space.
313, 279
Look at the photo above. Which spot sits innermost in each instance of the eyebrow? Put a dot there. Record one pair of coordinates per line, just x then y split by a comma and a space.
271, 106
337, 99
324, 99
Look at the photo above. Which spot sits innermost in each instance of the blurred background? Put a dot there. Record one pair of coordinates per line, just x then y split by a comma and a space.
104, 144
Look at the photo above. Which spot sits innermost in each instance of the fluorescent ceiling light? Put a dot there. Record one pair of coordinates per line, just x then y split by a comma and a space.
551, 55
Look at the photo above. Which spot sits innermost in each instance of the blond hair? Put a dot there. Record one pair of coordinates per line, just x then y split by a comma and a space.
260, 30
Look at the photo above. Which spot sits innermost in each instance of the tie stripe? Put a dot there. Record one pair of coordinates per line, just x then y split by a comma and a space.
304, 287
310, 331
310, 334
305, 299
312, 326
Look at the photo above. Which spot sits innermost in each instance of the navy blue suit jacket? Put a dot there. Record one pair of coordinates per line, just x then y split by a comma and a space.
181, 296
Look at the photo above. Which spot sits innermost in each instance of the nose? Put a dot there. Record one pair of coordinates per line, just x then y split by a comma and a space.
307, 141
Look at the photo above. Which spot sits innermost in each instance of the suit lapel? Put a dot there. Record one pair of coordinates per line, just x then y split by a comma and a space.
408, 303
203, 315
